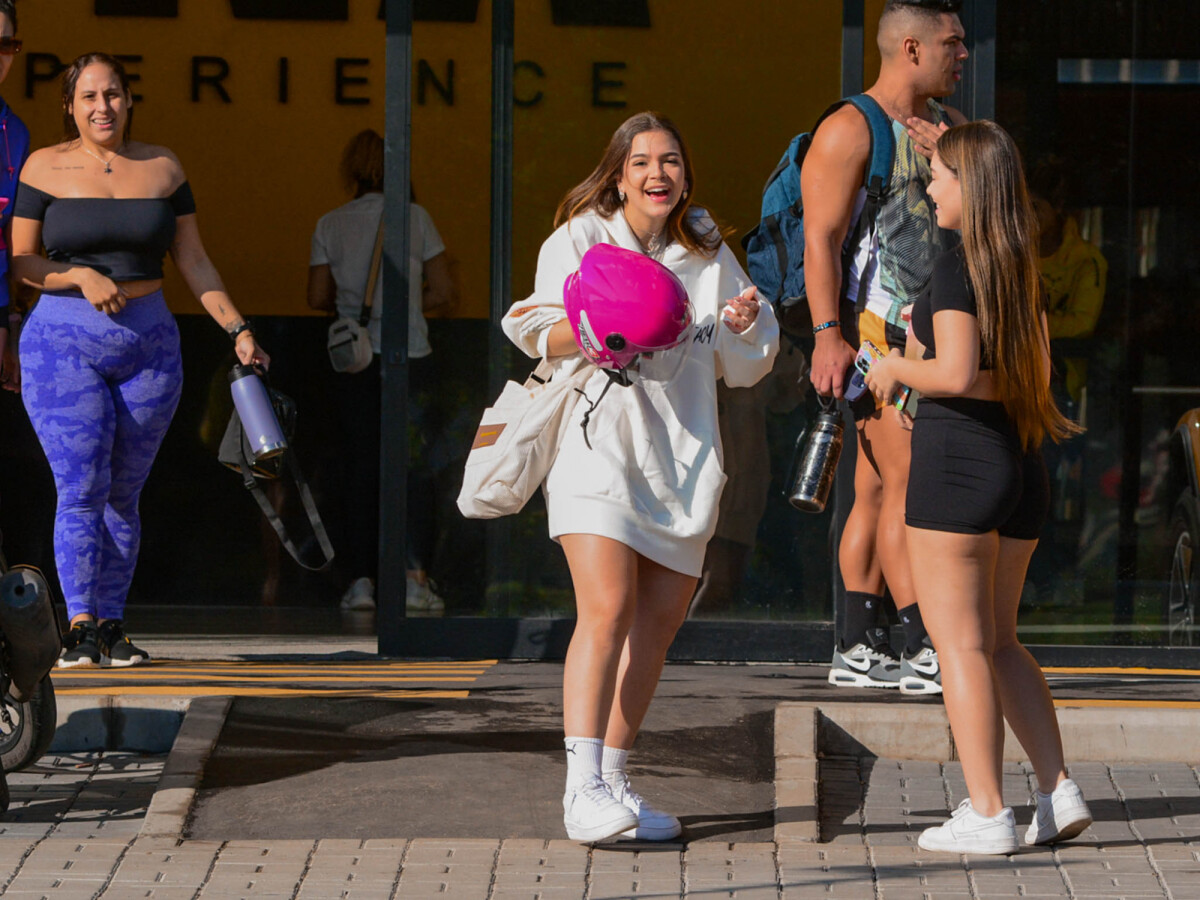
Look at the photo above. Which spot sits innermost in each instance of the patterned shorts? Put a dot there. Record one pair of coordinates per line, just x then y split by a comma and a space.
871, 327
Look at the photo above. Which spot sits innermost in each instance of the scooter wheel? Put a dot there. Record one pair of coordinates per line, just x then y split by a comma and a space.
27, 734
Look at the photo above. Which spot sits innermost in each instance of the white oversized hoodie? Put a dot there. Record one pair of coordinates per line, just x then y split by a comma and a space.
652, 478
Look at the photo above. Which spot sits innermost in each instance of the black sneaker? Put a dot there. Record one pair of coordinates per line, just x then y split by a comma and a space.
80, 646
119, 649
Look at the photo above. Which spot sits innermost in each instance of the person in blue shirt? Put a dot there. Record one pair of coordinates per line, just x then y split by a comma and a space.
14, 148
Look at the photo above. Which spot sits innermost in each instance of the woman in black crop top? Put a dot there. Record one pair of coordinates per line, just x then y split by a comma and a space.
100, 368
978, 492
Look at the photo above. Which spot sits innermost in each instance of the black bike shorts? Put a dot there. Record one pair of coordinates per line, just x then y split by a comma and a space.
968, 474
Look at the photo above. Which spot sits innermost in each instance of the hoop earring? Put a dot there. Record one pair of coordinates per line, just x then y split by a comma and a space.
621, 196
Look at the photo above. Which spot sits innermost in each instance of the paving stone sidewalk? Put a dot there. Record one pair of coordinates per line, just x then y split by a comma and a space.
72, 833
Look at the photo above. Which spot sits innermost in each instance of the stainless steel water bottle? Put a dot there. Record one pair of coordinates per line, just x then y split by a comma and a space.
256, 412
823, 448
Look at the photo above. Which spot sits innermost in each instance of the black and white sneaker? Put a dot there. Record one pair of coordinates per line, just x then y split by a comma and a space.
119, 649
80, 647
920, 673
869, 663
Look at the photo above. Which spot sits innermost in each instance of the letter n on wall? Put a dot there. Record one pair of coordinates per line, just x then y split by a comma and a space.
161, 9
296, 10
609, 13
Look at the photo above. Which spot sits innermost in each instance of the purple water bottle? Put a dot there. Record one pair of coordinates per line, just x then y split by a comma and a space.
256, 412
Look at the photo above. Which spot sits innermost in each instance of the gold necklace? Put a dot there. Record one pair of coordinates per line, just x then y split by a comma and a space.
107, 163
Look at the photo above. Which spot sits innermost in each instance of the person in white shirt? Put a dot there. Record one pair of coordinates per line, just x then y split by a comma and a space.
339, 267
633, 501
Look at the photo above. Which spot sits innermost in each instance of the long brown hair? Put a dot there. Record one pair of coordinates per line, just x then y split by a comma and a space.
362, 163
70, 79
598, 192
999, 232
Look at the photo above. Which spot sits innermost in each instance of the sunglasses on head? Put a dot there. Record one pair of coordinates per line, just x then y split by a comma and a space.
10, 45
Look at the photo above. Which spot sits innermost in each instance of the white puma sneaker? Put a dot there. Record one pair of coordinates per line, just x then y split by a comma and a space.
652, 824
591, 813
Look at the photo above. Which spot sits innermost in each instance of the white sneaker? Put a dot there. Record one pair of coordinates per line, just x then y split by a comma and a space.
591, 813
969, 832
359, 596
652, 824
921, 674
1060, 815
421, 597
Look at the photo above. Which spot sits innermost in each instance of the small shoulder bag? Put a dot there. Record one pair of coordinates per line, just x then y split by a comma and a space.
349, 342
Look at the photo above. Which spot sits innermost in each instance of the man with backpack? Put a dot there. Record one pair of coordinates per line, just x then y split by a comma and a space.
860, 292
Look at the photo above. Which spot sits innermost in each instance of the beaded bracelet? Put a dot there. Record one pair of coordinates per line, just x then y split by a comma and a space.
832, 323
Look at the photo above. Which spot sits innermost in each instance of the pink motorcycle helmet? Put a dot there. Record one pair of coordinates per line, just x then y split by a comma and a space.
621, 303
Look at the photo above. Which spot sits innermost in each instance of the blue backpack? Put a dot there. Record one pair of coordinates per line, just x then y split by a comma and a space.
775, 247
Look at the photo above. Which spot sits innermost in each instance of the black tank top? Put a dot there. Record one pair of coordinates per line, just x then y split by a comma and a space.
124, 239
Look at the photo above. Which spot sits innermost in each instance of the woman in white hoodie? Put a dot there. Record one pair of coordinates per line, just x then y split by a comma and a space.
633, 500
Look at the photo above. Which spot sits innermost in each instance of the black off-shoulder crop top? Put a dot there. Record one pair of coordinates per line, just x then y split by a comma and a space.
125, 239
949, 287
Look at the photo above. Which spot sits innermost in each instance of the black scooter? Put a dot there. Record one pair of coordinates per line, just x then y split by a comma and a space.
30, 642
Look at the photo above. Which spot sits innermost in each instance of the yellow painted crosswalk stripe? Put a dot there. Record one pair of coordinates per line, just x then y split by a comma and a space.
322, 678
1067, 670
235, 675
315, 679
153, 669
1131, 704
203, 691
365, 666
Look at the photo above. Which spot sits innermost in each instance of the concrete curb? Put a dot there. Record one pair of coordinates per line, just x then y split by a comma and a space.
806, 733
796, 775
137, 722
172, 802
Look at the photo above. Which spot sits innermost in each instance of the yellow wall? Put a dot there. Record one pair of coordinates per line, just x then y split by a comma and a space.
739, 79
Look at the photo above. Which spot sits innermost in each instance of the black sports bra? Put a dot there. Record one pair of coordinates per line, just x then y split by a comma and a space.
125, 239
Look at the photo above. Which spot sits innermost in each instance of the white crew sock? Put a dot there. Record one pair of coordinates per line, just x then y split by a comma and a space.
613, 762
583, 759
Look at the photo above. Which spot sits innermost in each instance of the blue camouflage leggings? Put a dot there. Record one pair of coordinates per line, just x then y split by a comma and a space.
100, 391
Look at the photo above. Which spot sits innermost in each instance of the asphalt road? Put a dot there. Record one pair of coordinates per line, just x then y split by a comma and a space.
490, 765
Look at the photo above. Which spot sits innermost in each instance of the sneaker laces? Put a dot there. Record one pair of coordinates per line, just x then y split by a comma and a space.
876, 639
595, 789
962, 809
75, 635
623, 793
111, 633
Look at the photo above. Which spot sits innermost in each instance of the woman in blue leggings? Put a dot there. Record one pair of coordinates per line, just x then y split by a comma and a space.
100, 365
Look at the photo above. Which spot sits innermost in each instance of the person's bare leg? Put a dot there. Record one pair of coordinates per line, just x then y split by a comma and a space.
662, 601
857, 559
604, 574
891, 444
955, 579
1024, 694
